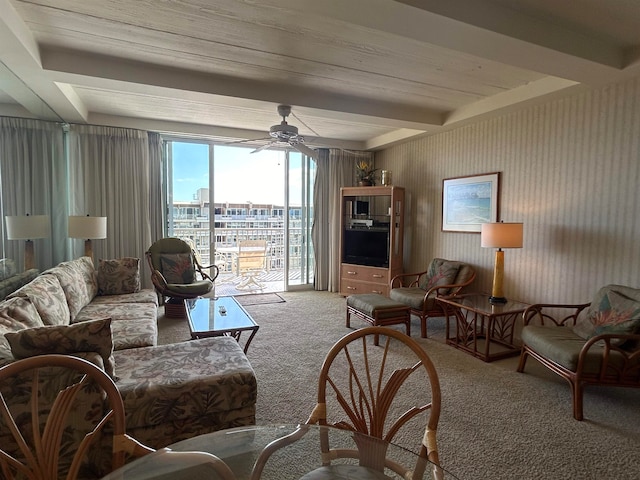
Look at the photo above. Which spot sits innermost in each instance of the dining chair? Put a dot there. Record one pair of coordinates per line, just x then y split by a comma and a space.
50, 433
358, 390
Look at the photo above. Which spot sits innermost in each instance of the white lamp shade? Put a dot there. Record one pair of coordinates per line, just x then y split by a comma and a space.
501, 235
87, 227
28, 227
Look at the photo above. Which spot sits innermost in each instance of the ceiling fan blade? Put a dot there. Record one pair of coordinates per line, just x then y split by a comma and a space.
306, 150
247, 140
263, 147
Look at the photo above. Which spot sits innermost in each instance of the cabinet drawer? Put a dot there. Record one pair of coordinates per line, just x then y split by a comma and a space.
352, 287
362, 273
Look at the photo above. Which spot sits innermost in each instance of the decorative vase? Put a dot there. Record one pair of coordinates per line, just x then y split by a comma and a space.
365, 183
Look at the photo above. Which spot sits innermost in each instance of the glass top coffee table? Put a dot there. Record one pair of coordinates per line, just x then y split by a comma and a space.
215, 317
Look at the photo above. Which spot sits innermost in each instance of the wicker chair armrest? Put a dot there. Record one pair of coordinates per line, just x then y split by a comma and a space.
629, 370
406, 279
158, 280
201, 270
557, 314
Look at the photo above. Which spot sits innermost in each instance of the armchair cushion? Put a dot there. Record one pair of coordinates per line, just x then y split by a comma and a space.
615, 309
7, 268
119, 276
563, 346
178, 267
413, 296
440, 272
92, 336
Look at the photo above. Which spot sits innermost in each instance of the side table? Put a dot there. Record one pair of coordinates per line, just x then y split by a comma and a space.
482, 329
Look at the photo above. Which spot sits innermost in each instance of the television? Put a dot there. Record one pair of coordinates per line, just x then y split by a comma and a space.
363, 246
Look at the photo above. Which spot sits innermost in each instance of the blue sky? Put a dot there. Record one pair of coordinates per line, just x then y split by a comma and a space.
240, 176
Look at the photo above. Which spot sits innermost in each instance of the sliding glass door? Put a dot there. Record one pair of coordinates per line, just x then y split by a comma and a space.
248, 213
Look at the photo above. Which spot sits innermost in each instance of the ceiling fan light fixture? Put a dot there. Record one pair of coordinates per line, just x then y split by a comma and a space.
284, 132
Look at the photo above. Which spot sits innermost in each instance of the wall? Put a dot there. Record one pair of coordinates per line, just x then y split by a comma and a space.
570, 170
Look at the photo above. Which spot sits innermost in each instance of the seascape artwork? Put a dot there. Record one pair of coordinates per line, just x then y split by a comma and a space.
468, 202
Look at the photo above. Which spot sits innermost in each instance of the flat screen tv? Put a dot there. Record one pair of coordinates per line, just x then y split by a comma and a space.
366, 247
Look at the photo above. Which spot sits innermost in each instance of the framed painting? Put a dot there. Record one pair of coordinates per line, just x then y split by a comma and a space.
468, 202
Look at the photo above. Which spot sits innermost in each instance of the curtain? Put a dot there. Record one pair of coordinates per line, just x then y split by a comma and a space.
335, 170
115, 172
32, 176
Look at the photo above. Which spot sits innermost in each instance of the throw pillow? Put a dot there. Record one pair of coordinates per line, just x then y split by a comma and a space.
119, 276
612, 311
90, 336
178, 268
440, 272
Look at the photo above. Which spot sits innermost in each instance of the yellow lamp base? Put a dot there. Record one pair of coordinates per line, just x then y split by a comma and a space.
497, 293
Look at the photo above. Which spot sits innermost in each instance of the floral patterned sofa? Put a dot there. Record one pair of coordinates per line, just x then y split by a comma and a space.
170, 392
10, 279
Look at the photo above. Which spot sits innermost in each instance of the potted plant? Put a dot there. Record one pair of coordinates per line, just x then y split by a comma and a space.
365, 173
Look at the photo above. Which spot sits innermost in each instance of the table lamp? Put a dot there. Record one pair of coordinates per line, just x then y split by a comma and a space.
88, 228
27, 228
500, 235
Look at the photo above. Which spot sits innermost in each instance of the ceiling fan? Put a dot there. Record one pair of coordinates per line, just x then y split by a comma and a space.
285, 133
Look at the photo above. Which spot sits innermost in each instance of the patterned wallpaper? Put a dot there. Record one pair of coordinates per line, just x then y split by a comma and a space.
570, 171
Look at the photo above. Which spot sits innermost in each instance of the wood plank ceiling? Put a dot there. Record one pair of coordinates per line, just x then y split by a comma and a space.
360, 74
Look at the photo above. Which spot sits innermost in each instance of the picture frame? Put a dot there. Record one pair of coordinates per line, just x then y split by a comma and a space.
468, 202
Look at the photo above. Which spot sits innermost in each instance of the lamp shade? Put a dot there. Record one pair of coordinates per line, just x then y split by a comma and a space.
28, 227
87, 227
501, 235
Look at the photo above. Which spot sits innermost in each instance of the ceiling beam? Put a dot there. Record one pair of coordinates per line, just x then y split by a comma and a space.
71, 66
482, 29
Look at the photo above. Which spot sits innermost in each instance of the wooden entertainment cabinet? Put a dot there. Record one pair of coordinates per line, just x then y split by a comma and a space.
372, 226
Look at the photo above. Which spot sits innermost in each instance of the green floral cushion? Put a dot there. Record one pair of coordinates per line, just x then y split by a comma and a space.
615, 309
119, 276
92, 336
440, 272
46, 293
178, 268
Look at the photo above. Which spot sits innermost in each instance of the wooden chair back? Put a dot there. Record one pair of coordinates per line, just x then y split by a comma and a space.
363, 381
43, 437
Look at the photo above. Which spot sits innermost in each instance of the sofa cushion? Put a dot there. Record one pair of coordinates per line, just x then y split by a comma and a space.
46, 293
94, 336
76, 285
614, 309
146, 295
15, 314
440, 272
180, 381
178, 267
119, 276
7, 268
133, 324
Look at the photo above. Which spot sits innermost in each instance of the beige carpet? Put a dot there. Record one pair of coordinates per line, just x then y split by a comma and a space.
495, 422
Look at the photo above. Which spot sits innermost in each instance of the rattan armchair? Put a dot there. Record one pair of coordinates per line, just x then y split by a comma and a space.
419, 290
607, 355
176, 272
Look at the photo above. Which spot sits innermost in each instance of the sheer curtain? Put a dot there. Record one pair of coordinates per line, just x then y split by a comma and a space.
32, 176
116, 172
335, 170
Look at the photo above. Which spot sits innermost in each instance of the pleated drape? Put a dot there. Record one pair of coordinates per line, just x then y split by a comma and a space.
32, 171
335, 170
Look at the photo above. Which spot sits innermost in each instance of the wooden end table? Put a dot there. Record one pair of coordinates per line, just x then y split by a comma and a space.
215, 317
482, 329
